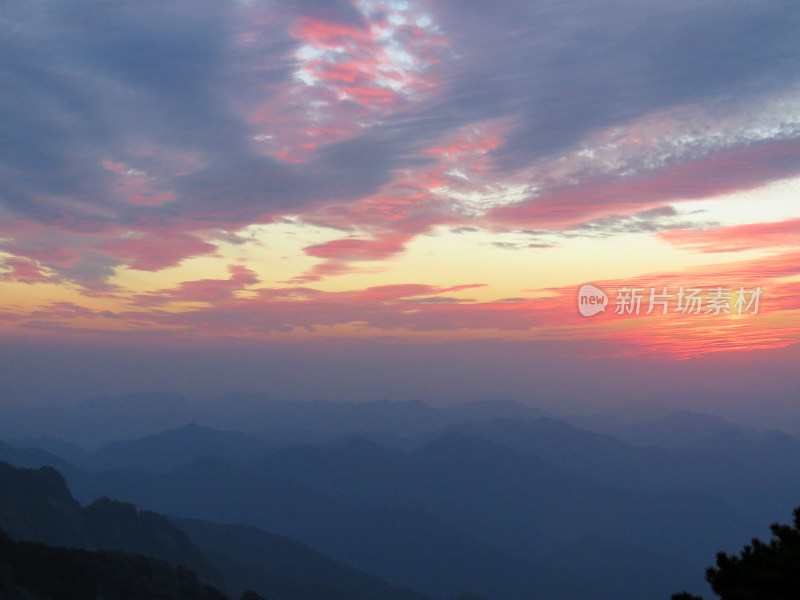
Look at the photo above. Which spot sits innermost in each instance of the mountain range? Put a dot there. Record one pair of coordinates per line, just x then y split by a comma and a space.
447, 502
37, 506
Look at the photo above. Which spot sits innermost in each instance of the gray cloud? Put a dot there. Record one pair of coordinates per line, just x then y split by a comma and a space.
566, 69
135, 82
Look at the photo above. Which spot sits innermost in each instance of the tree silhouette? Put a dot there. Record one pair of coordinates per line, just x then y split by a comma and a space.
762, 571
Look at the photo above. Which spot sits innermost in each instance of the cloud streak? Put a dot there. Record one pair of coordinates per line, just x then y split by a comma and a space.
139, 136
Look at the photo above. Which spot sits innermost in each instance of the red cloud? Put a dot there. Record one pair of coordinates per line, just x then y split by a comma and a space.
685, 336
769, 273
736, 238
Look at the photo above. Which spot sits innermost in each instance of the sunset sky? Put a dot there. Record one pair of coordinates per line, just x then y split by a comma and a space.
396, 199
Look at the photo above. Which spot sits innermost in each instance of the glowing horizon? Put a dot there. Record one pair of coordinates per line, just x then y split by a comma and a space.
404, 170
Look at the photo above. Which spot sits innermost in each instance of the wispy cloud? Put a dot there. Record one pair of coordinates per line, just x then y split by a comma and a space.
139, 136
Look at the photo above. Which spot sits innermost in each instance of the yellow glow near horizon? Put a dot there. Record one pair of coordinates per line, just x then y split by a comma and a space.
776, 201
501, 261
442, 259
446, 259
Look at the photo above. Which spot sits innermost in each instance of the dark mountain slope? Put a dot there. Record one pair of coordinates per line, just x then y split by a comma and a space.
36, 505
255, 559
33, 571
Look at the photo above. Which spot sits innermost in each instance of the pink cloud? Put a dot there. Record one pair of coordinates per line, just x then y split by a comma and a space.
681, 335
151, 252
406, 207
684, 342
736, 170
347, 79
324, 269
358, 249
136, 187
53, 248
203, 290
23, 270
753, 236
70, 310
330, 35
411, 308
369, 95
